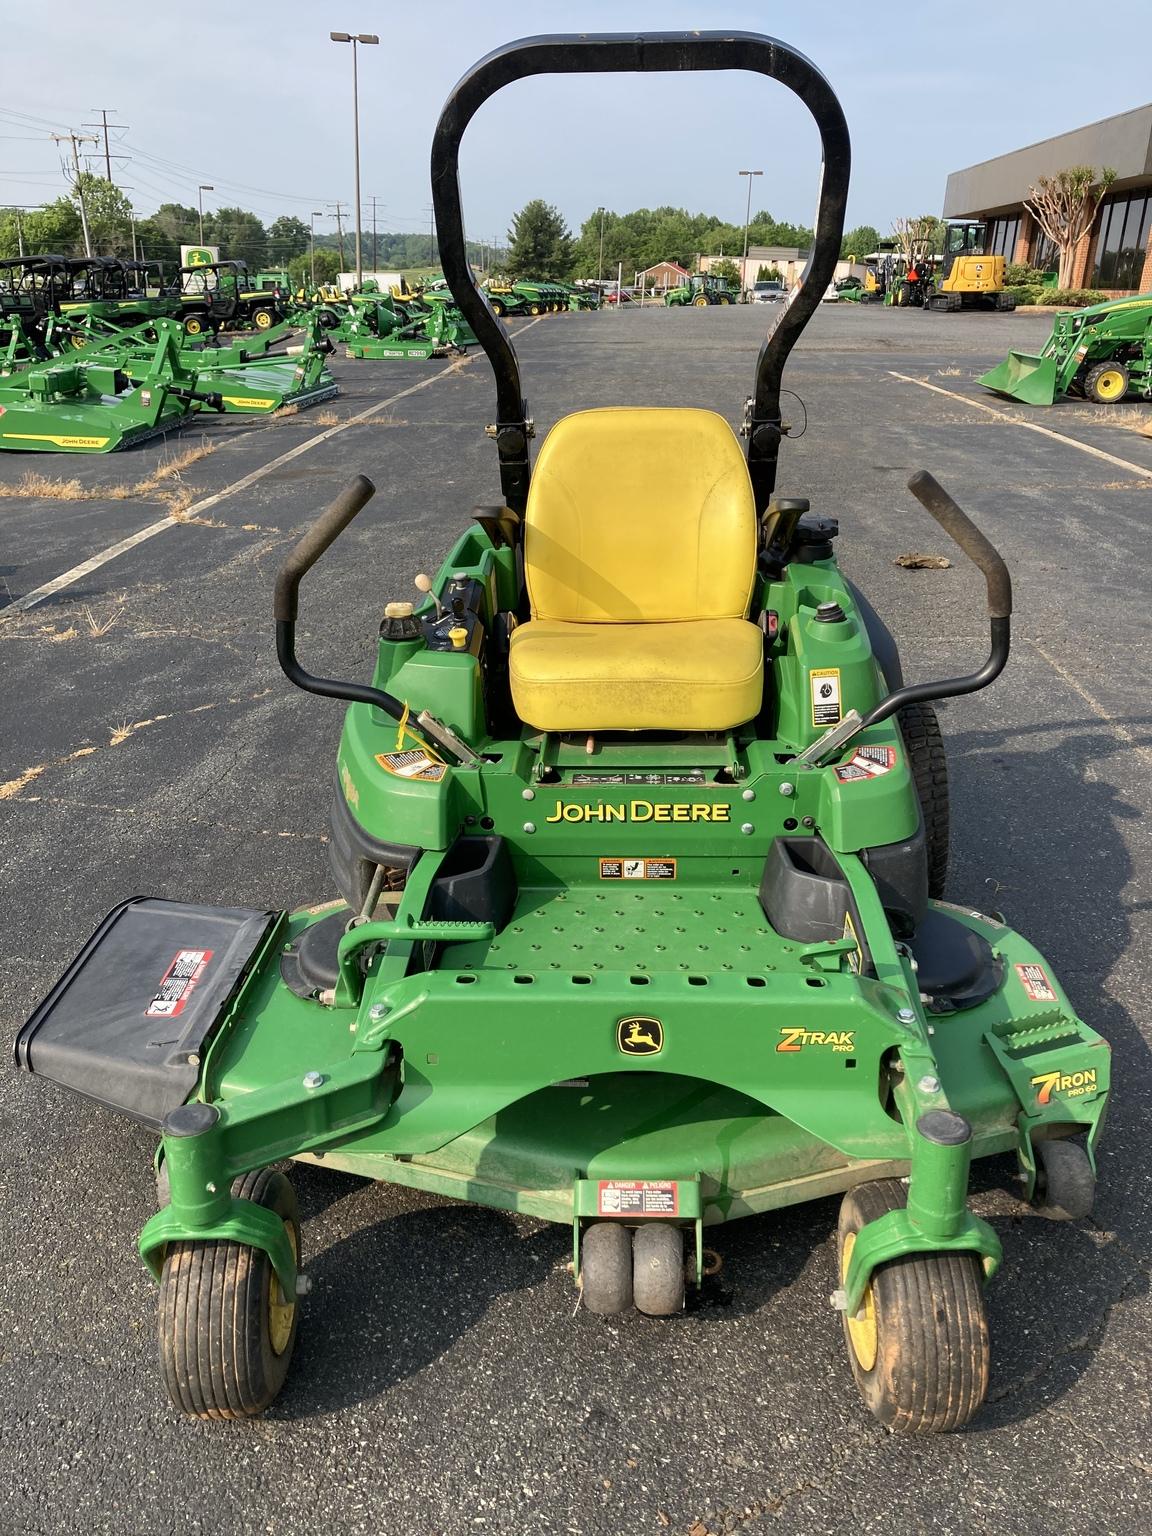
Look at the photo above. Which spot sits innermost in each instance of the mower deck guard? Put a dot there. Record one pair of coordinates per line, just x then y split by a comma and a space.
126, 1023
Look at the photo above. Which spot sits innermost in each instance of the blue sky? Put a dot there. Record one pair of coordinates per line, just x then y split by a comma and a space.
265, 113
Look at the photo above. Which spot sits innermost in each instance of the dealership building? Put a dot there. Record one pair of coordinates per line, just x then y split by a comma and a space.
1116, 253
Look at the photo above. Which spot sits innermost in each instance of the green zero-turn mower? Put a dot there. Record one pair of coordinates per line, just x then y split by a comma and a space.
640, 843
1103, 353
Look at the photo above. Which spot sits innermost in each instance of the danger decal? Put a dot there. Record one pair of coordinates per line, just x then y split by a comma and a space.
178, 983
867, 763
1034, 980
637, 1197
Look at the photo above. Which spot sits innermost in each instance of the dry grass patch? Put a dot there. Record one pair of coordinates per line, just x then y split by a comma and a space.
326, 419
1130, 418
170, 469
949, 373
98, 627
45, 488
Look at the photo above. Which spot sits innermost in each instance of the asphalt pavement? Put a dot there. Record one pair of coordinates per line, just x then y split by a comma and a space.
443, 1383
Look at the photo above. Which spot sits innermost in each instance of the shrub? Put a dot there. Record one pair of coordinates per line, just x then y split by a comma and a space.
1071, 298
1029, 294
1019, 274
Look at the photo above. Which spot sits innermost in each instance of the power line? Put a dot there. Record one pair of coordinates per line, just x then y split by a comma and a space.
103, 123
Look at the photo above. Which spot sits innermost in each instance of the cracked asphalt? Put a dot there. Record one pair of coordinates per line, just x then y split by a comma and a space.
443, 1383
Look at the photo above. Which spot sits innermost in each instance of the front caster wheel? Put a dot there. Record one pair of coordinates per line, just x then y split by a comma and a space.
919, 1343
606, 1268
226, 1328
658, 1270
1065, 1183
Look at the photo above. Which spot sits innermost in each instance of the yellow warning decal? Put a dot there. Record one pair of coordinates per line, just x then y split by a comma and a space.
825, 685
254, 405
413, 763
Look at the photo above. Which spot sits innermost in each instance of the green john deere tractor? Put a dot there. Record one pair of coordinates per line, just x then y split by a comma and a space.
701, 289
640, 841
1103, 353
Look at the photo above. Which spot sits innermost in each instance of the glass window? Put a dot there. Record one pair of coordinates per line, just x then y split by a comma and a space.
1122, 242
1045, 256
1002, 237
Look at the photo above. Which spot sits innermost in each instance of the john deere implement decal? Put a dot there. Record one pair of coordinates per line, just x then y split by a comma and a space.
1069, 1085
638, 810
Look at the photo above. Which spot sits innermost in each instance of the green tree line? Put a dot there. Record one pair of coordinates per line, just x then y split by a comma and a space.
540, 243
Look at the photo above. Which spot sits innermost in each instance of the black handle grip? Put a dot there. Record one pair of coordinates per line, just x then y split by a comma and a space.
327, 527
964, 533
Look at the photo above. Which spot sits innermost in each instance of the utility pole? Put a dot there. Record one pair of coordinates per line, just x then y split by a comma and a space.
747, 221
375, 258
340, 232
19, 233
200, 191
103, 124
600, 264
74, 139
316, 214
431, 212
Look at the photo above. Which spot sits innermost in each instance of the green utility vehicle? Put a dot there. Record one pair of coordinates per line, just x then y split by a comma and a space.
701, 289
1103, 353
30, 290
121, 293
219, 296
640, 841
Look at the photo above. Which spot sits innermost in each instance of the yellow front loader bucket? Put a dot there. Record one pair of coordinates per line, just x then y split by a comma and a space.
1021, 376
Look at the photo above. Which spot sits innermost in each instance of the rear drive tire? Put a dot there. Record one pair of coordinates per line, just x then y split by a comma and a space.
606, 1268
1065, 1183
919, 1344
226, 1329
929, 764
658, 1270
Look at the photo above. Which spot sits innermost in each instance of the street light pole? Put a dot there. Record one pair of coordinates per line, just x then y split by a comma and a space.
200, 191
354, 38
747, 221
316, 214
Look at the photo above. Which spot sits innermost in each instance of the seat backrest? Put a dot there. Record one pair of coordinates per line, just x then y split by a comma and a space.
640, 515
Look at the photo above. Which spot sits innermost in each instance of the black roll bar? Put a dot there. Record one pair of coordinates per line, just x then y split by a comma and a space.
622, 53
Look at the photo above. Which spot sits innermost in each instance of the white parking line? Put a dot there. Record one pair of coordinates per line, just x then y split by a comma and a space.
1143, 470
86, 567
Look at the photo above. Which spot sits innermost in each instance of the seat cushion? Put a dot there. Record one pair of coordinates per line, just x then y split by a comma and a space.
702, 675
639, 515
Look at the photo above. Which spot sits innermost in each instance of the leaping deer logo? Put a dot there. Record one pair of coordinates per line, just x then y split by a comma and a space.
640, 1037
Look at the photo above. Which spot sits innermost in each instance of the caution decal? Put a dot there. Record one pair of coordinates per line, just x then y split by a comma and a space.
825, 685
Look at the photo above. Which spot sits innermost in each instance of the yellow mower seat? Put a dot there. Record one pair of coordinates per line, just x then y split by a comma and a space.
640, 558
